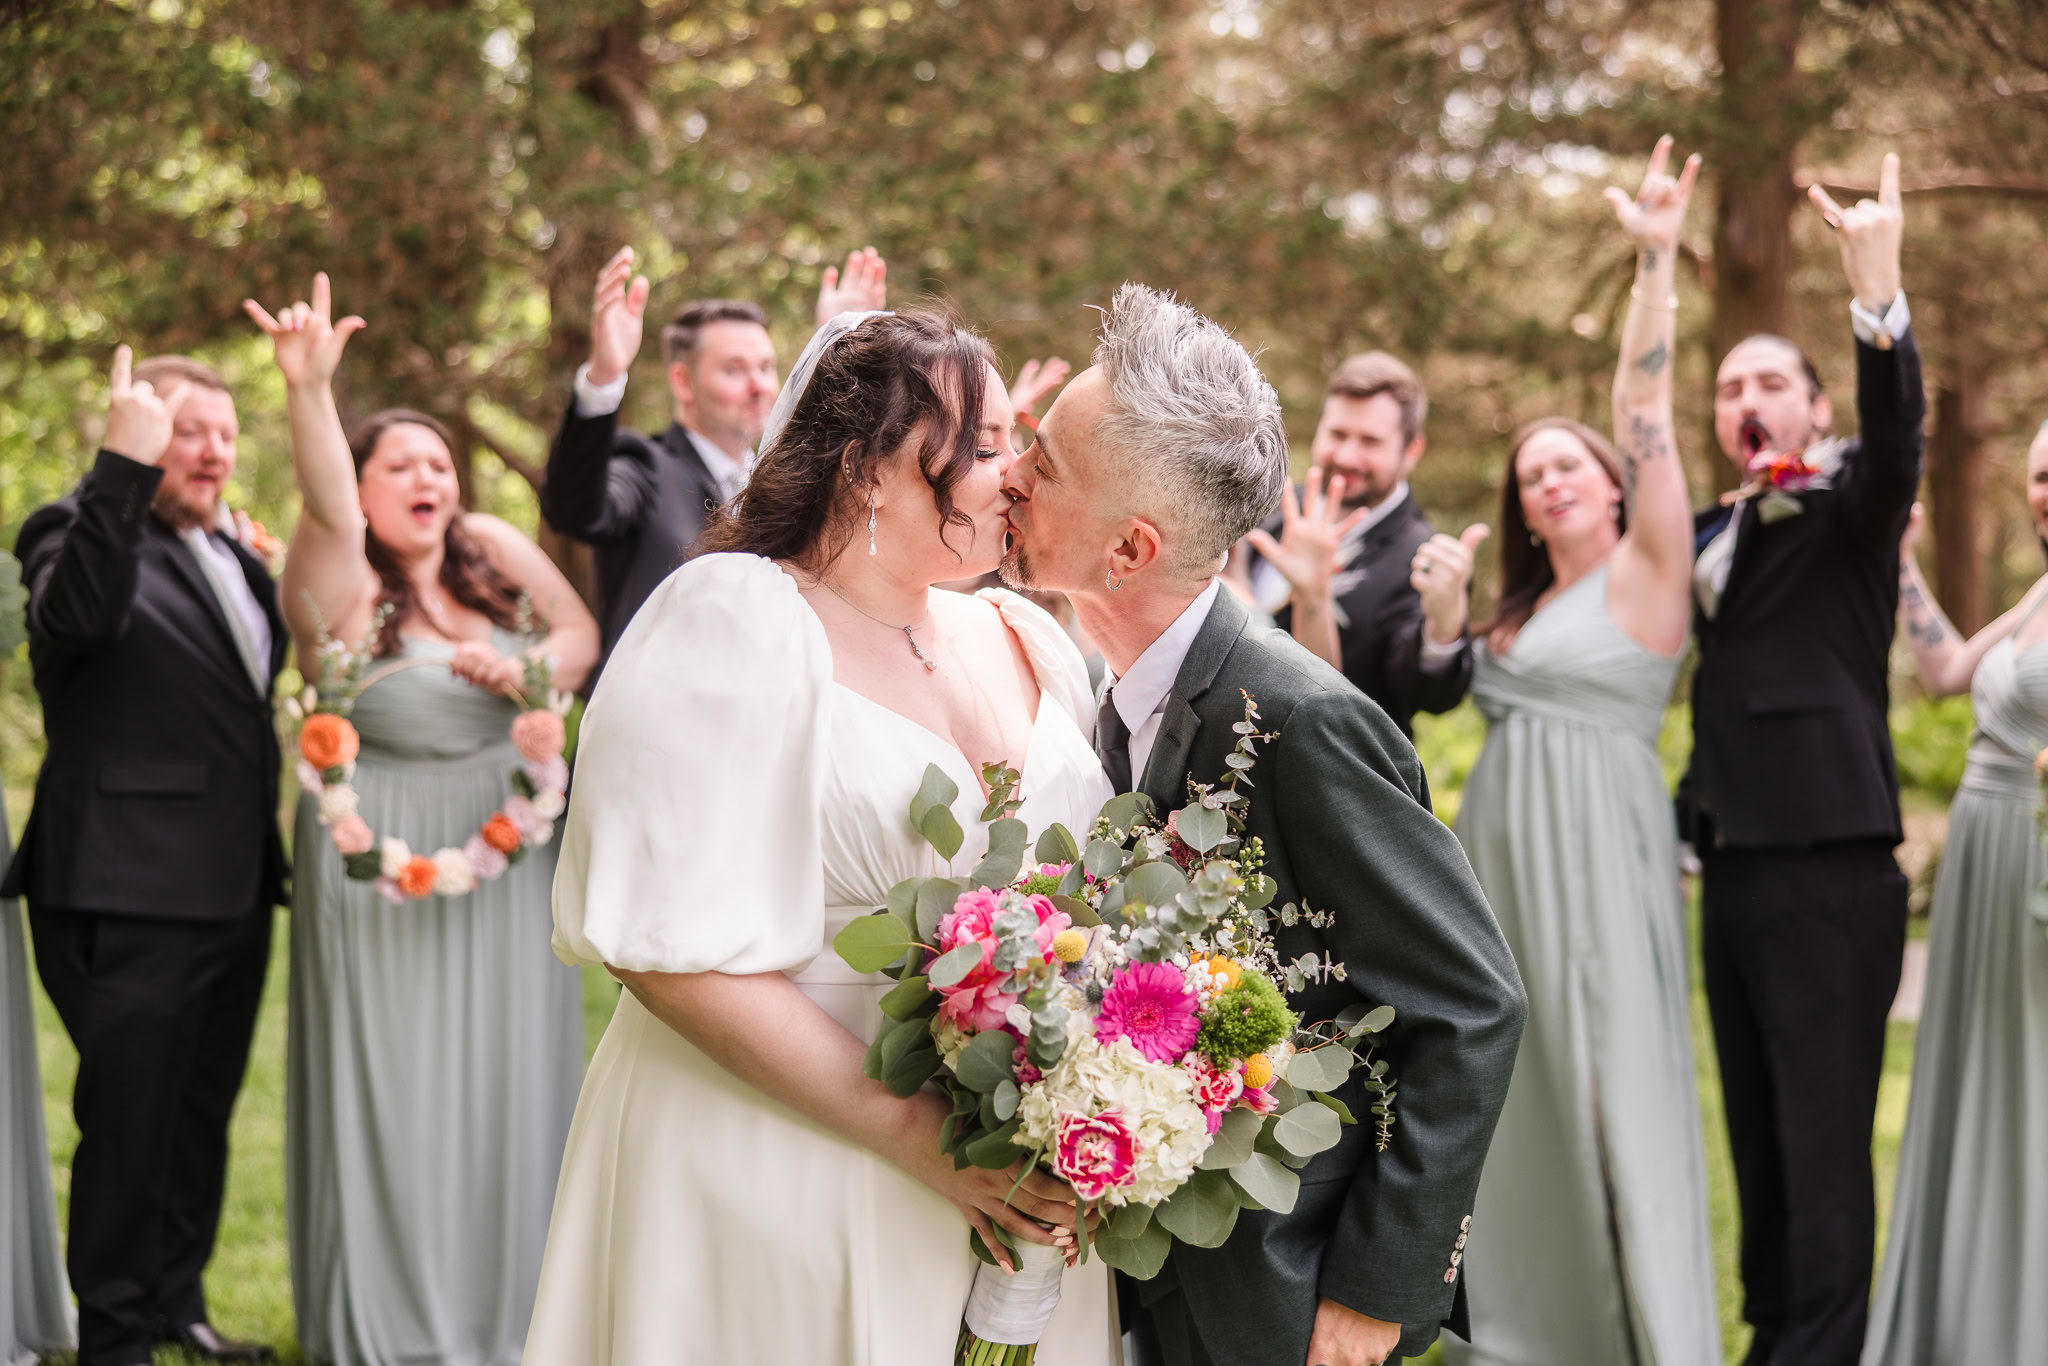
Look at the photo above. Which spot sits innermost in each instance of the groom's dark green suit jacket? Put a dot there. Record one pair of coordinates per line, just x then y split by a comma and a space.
1341, 804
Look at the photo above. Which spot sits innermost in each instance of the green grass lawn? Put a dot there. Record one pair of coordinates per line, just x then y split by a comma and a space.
251, 1296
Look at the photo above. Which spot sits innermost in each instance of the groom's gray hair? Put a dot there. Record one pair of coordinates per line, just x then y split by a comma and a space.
1193, 434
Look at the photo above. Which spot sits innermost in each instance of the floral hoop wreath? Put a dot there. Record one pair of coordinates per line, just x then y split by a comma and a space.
328, 744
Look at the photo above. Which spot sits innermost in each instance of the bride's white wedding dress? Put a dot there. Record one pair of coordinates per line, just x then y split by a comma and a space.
733, 808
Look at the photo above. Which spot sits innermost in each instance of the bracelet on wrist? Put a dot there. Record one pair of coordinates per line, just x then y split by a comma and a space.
1636, 292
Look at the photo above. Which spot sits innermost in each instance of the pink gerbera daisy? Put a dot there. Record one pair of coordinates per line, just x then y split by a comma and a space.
1150, 1004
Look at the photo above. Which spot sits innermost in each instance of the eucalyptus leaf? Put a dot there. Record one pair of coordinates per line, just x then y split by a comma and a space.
1201, 828
1268, 1182
952, 966
1307, 1130
1080, 912
936, 790
1344, 1115
1202, 1212
1005, 858
1006, 1097
1103, 859
1376, 1020
1126, 810
870, 943
1239, 762
1233, 1141
1154, 884
899, 1039
902, 899
1056, 845
916, 1067
994, 1151
1139, 1257
1127, 1221
942, 831
935, 897
906, 998
985, 1063
1321, 1069
1075, 880
1259, 891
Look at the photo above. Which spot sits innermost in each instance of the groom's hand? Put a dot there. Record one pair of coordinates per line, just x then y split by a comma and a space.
1344, 1337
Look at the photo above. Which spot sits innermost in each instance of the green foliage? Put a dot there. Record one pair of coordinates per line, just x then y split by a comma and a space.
1246, 1019
1930, 741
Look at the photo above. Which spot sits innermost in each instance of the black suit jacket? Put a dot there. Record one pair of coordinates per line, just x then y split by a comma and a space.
158, 795
1342, 806
1790, 742
1381, 638
639, 501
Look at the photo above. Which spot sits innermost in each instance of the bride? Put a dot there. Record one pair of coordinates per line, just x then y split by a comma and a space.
735, 1189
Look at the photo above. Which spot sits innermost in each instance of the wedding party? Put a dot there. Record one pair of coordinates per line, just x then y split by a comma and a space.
989, 731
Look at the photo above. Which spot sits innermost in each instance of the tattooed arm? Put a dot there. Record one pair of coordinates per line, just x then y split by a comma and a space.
1946, 662
1649, 594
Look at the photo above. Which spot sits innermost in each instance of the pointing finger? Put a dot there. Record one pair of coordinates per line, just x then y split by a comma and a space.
1658, 159
124, 363
636, 296
1829, 209
323, 296
1888, 181
1688, 176
260, 316
175, 399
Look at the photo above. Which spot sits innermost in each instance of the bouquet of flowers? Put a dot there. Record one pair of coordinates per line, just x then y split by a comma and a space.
328, 745
1113, 1013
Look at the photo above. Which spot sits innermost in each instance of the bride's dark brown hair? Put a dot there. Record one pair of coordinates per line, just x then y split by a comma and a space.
466, 572
914, 374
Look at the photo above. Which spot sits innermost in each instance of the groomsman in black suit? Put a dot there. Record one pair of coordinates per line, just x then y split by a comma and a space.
152, 857
642, 501
1792, 799
1350, 566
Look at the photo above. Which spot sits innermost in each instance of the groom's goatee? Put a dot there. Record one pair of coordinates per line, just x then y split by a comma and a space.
1016, 569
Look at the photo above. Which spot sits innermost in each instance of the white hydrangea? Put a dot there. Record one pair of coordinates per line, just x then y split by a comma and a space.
337, 803
1155, 1100
453, 874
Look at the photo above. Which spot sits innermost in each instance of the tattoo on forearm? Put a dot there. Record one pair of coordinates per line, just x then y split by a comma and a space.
1653, 361
1648, 439
1650, 259
1924, 625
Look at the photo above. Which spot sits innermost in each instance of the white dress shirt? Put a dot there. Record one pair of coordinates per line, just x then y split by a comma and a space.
247, 625
1140, 695
731, 471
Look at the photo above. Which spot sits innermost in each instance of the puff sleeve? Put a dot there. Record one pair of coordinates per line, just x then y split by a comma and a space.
1055, 659
692, 839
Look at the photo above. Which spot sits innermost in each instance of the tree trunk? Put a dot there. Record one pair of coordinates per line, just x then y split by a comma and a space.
1762, 118
1955, 482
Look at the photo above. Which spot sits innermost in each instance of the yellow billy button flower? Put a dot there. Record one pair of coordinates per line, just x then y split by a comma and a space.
1069, 946
1258, 1070
1224, 973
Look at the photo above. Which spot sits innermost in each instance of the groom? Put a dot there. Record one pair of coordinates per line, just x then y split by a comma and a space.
1147, 469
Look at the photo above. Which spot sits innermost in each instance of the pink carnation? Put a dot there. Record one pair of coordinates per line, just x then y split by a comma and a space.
548, 775
539, 735
1259, 1099
489, 864
1095, 1156
1216, 1088
388, 889
533, 827
309, 778
351, 835
1150, 1004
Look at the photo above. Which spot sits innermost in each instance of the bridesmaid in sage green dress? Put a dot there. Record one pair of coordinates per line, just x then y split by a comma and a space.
36, 1316
1965, 1271
436, 1043
1590, 1240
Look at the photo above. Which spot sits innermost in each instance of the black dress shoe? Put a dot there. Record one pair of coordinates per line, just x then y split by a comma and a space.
201, 1341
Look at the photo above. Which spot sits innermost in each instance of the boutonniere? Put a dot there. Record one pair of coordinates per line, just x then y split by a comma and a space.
259, 542
1775, 477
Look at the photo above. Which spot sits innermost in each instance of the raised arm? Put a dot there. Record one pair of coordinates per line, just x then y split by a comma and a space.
1880, 478
1946, 662
590, 492
1649, 593
326, 562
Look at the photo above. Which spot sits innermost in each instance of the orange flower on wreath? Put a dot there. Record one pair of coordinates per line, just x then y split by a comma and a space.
328, 741
500, 833
416, 878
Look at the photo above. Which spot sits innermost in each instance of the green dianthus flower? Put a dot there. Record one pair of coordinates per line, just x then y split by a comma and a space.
1249, 1018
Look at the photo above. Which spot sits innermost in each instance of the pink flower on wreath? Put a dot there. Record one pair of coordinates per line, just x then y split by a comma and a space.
1150, 1004
1095, 1156
539, 734
548, 775
351, 835
533, 827
490, 865
1216, 1088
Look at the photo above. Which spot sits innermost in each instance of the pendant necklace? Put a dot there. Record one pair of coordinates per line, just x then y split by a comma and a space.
929, 665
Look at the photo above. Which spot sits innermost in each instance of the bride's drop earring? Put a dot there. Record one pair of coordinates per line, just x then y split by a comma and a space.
871, 524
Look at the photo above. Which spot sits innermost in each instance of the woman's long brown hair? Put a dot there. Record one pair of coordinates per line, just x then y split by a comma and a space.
1525, 572
889, 379
466, 572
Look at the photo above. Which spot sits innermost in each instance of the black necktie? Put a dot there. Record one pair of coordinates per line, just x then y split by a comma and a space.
1113, 743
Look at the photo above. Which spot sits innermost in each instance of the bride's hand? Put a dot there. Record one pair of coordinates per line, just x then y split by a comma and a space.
984, 1197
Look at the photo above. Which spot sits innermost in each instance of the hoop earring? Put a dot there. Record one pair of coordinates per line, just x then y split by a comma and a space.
871, 524
1112, 582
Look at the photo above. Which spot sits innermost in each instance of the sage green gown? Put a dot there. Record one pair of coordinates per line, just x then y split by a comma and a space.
36, 1315
436, 1050
1590, 1240
1965, 1277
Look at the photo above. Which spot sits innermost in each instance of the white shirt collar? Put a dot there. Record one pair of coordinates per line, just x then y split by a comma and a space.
1143, 690
728, 469
1373, 519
